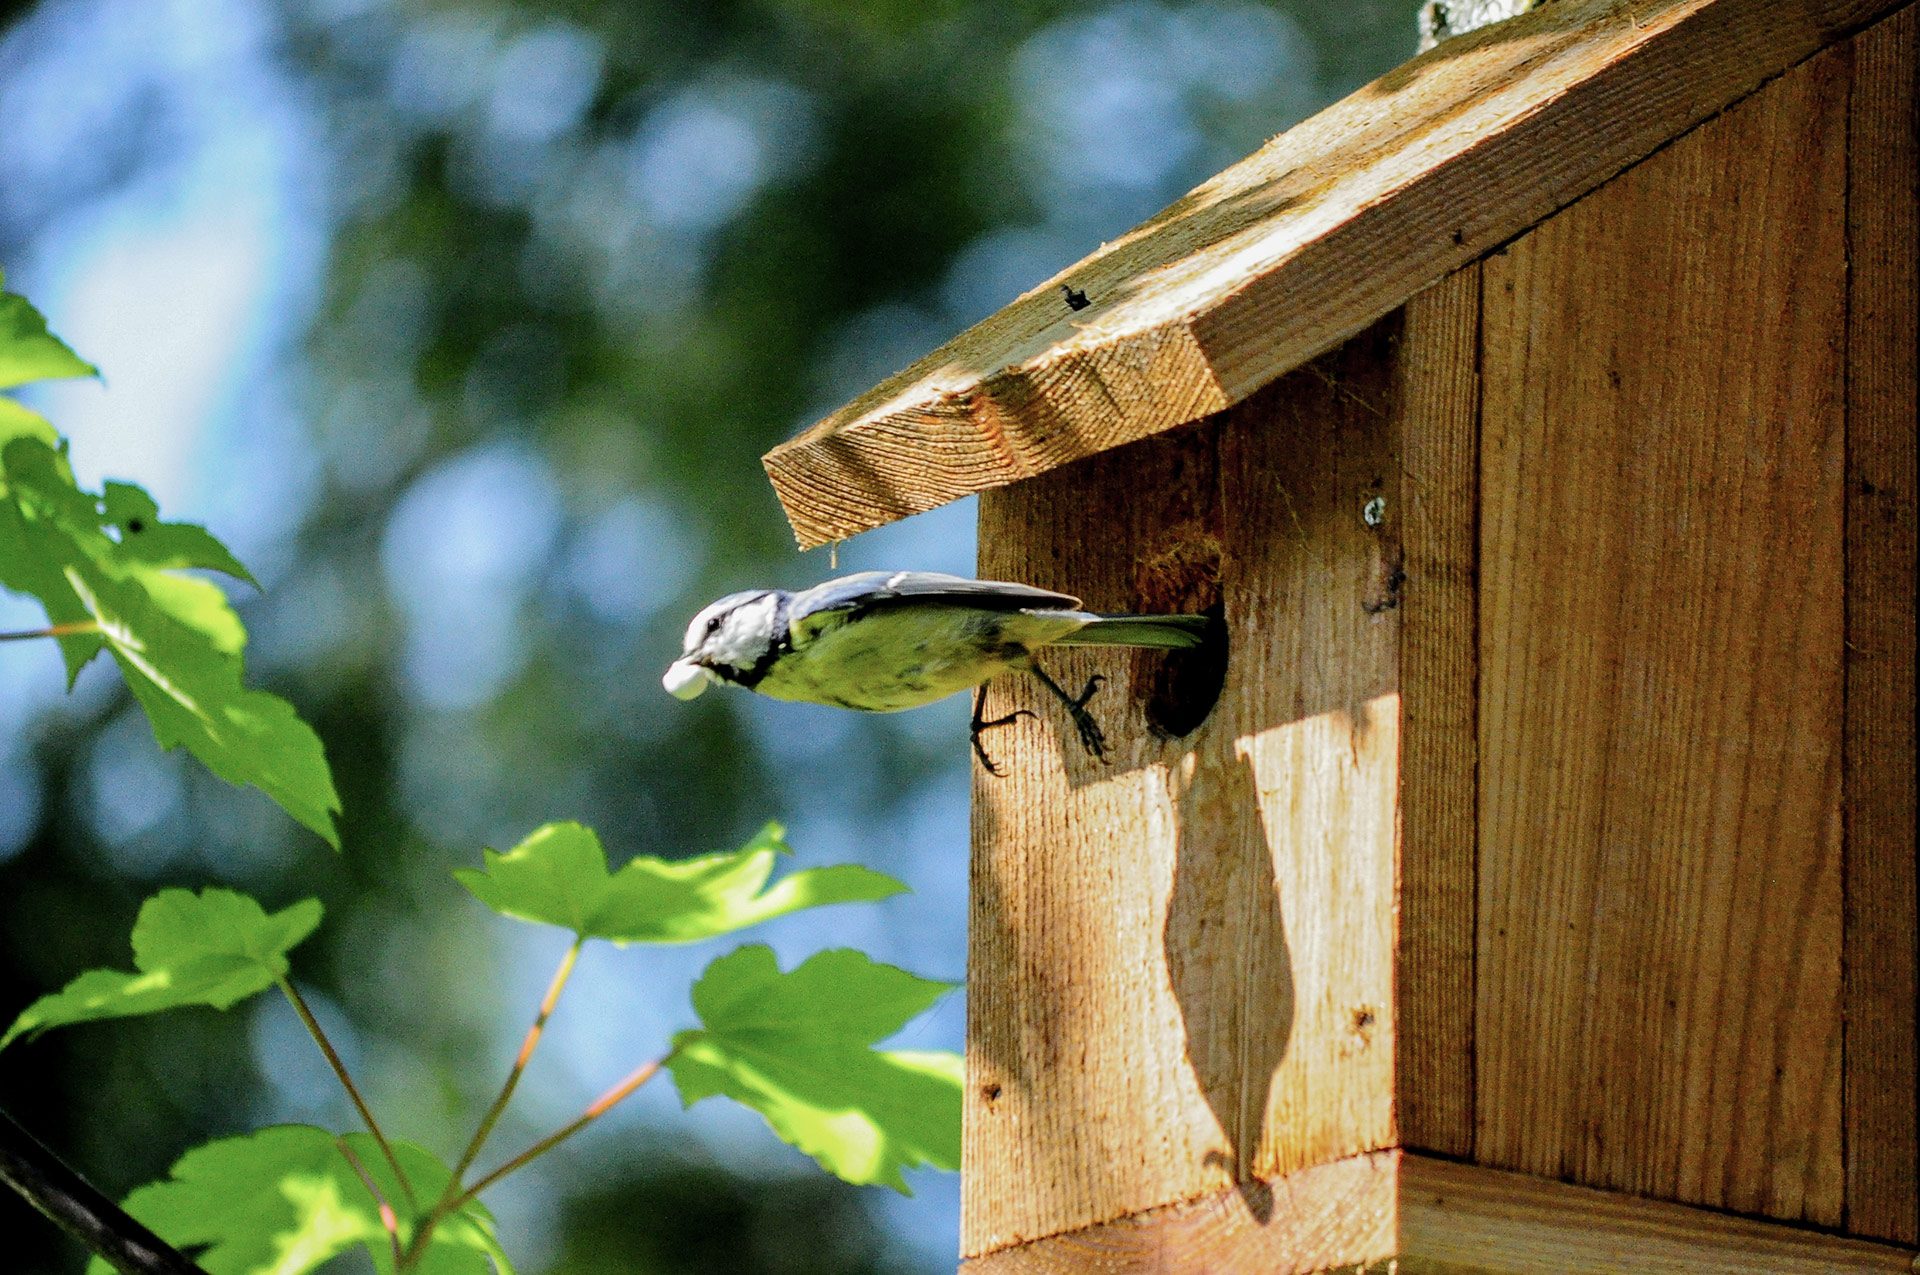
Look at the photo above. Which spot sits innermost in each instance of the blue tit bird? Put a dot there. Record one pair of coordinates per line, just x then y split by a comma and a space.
881, 641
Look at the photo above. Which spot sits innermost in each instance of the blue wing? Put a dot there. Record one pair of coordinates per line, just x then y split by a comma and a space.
866, 590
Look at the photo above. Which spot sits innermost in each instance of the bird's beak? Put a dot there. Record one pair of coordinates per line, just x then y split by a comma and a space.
684, 679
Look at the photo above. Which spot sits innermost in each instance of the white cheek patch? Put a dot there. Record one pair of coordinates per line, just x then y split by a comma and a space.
744, 635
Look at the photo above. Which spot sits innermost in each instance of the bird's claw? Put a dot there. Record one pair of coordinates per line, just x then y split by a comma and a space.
980, 724
1094, 683
1092, 738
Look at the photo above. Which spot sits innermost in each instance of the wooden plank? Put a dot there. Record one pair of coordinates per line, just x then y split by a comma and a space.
1660, 707
1439, 465
1329, 1215
1180, 971
1464, 1218
1330, 226
1881, 984
1423, 1216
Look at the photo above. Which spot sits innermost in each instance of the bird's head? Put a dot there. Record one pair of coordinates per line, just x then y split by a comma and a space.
726, 642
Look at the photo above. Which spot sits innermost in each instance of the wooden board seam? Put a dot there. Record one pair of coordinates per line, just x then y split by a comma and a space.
1880, 1038
1438, 1214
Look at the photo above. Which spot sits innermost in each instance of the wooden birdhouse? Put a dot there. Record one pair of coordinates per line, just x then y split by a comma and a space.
1529, 885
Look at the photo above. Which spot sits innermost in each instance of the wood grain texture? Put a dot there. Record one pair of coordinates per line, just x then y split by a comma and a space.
1883, 1141
1327, 1216
1660, 661
1180, 967
1461, 1218
1439, 462
1416, 1215
1330, 226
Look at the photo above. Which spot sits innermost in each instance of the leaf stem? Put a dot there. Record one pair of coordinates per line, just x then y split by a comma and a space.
73, 628
598, 1107
487, 1122
346, 1082
387, 1217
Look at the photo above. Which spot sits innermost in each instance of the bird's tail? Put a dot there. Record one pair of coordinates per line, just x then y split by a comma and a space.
1168, 632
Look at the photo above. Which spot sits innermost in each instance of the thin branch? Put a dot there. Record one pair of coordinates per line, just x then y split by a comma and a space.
73, 628
487, 1122
346, 1082
600, 1106
387, 1217
72, 1203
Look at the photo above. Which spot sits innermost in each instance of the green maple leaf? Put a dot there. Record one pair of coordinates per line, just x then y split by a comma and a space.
20, 421
214, 948
558, 876
149, 542
797, 1048
109, 560
28, 352
193, 695
286, 1200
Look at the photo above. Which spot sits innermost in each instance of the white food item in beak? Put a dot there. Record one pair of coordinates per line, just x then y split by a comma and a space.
685, 679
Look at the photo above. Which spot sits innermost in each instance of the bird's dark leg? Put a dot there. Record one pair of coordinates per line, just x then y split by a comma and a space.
1091, 737
981, 724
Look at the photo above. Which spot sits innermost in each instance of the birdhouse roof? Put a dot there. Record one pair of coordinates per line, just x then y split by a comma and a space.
1296, 248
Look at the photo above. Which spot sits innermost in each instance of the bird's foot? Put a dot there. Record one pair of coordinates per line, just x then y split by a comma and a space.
980, 724
1092, 738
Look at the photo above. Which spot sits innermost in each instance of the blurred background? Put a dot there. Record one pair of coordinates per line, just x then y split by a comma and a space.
465, 324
